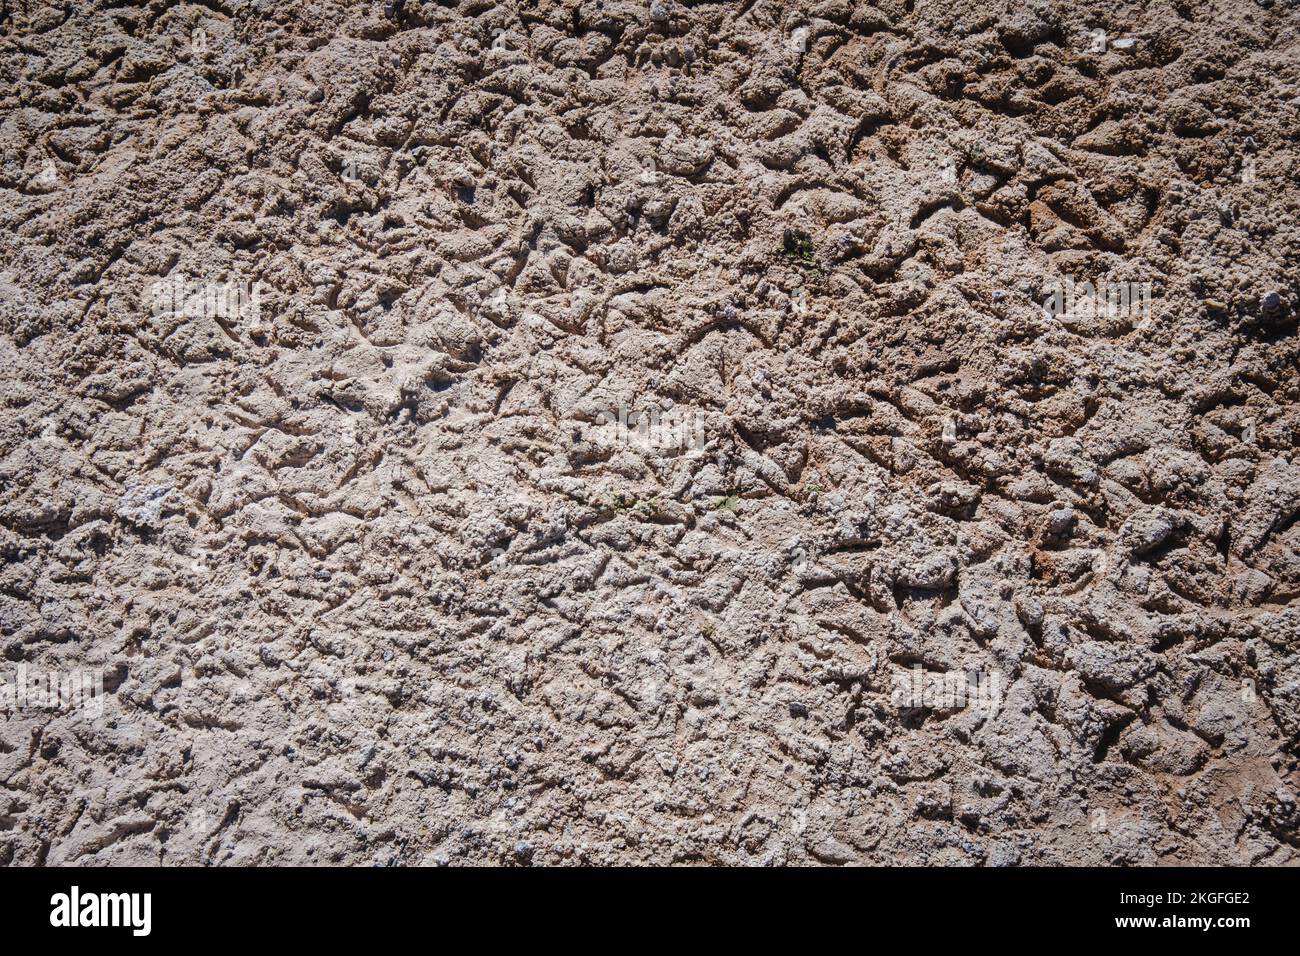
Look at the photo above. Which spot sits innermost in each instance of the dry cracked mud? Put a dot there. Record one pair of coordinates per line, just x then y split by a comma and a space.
598, 431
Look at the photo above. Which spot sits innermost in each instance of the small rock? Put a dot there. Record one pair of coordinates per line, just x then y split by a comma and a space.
935, 572
460, 176
1145, 532
1060, 521
141, 505
1251, 586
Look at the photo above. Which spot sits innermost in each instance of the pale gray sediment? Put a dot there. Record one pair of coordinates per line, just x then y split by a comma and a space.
376, 567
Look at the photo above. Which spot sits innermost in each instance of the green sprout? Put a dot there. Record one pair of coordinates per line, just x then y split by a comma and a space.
727, 503
647, 506
640, 506
797, 245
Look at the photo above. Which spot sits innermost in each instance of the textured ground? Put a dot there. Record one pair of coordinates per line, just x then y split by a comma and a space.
372, 580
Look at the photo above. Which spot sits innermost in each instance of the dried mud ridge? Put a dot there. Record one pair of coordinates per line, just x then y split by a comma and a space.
366, 579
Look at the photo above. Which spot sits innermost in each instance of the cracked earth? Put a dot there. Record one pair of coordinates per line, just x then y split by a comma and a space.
373, 572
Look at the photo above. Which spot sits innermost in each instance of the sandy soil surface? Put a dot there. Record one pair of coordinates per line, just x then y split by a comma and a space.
598, 431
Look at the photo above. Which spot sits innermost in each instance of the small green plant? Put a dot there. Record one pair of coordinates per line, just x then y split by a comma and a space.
727, 503
640, 506
797, 245
975, 154
647, 506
